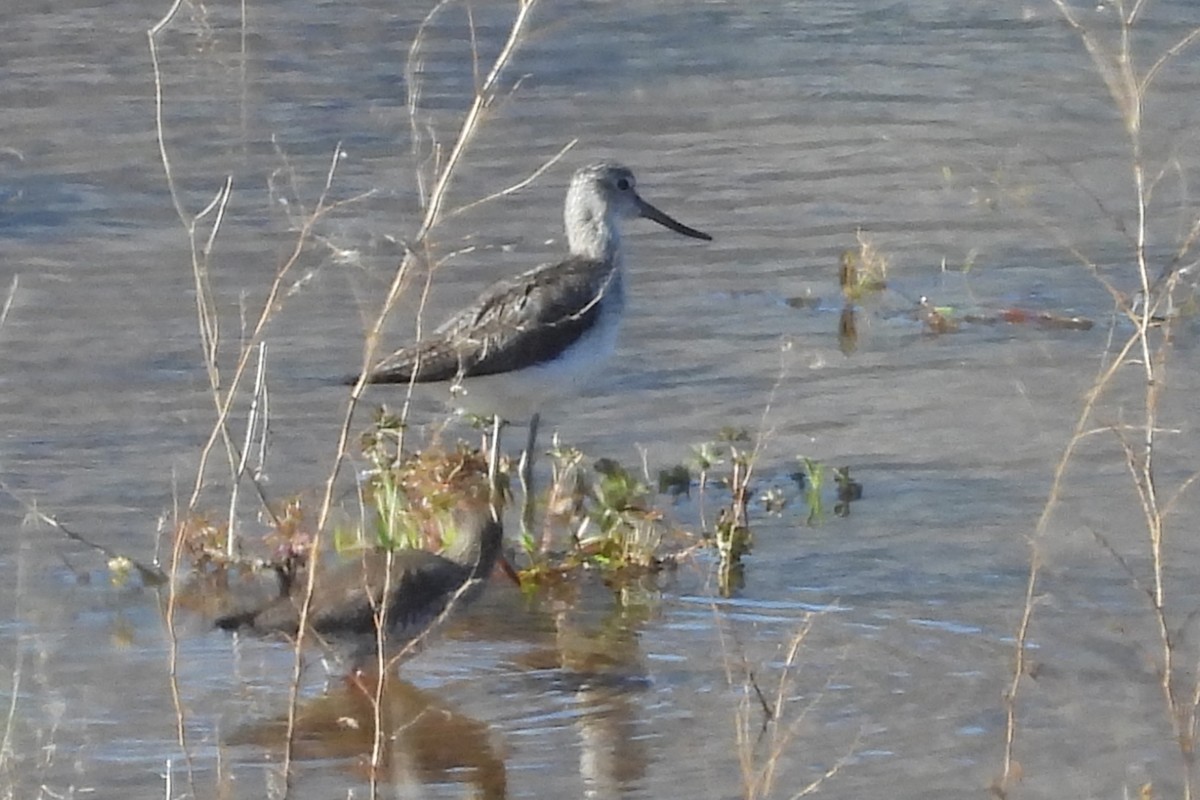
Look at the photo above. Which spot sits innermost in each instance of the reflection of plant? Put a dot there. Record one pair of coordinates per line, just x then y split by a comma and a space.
675, 481
848, 491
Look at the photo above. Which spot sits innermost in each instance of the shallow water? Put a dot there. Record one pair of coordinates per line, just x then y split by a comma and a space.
951, 134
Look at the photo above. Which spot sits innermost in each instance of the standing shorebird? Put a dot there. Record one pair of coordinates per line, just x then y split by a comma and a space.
547, 330
408, 590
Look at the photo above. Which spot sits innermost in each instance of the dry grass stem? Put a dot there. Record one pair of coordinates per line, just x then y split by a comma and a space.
9, 298
763, 743
416, 252
228, 365
258, 400
516, 187
1116, 66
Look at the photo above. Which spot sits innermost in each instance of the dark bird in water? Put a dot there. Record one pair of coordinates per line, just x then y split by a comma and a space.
409, 589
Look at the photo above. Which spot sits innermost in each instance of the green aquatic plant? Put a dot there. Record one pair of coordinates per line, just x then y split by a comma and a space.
409, 496
813, 473
862, 271
623, 512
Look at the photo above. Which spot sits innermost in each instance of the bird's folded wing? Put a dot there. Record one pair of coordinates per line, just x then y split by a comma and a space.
515, 324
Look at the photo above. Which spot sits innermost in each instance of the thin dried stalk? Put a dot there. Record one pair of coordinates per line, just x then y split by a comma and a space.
1127, 90
416, 252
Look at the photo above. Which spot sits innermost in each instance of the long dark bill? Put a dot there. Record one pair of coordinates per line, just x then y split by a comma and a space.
508, 569
650, 212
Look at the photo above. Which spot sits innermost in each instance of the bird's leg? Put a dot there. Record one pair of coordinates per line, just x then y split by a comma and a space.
497, 500
527, 476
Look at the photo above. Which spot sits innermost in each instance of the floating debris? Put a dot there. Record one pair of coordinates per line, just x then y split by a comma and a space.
945, 319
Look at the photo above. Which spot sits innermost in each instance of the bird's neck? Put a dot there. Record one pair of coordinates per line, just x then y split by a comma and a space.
478, 548
592, 232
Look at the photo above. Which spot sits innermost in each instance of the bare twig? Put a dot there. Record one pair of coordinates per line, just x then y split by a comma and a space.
151, 575
417, 252
9, 298
516, 187
1127, 89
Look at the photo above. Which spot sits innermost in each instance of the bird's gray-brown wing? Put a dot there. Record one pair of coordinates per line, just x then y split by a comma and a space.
347, 597
418, 587
343, 595
518, 323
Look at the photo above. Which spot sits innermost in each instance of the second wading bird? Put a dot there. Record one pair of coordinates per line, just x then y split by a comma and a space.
403, 592
546, 331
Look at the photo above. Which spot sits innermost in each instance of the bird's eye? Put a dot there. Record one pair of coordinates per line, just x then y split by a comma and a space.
623, 184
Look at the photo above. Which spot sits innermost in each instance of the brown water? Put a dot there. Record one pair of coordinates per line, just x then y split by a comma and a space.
950, 133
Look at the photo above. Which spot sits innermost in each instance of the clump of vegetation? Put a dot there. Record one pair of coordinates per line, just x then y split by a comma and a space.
597, 514
406, 497
605, 513
863, 276
862, 271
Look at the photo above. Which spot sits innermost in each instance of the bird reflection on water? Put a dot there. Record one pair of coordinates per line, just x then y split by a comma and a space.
425, 739
592, 668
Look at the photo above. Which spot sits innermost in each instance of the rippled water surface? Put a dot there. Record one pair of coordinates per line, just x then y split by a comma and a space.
972, 143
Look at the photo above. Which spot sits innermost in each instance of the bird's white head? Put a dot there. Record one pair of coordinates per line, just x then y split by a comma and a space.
601, 195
